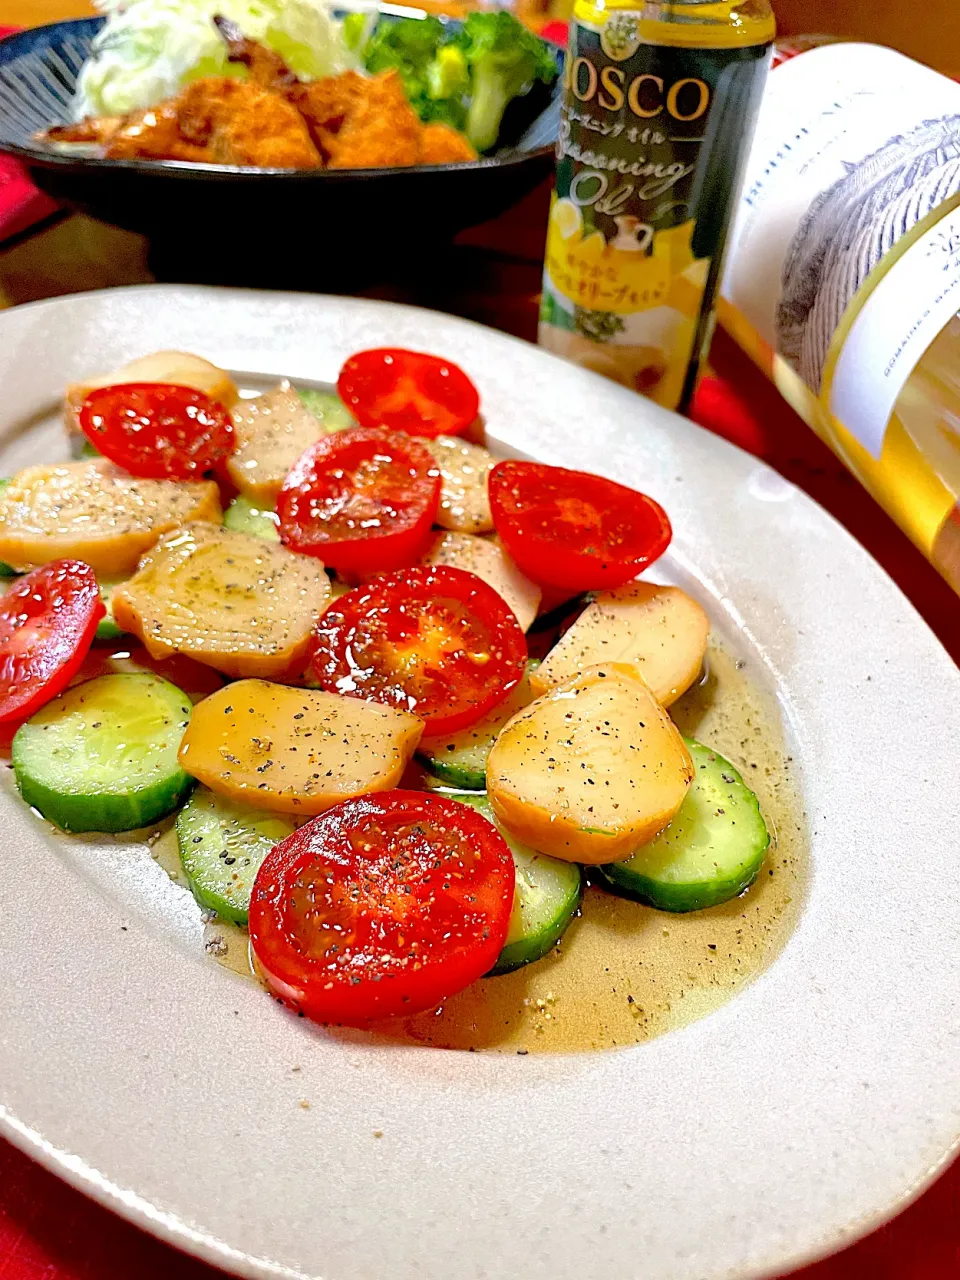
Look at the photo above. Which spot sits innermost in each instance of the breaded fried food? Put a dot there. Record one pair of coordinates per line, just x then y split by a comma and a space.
380, 131
96, 130
154, 134
245, 124
218, 120
439, 144
326, 104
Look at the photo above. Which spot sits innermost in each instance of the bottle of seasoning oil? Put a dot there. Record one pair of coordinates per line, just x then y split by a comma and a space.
659, 103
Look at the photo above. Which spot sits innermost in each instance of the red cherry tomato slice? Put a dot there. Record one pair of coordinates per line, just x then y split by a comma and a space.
156, 430
572, 530
408, 391
431, 639
47, 621
383, 905
363, 499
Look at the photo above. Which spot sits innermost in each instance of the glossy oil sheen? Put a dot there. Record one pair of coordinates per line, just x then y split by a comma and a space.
624, 973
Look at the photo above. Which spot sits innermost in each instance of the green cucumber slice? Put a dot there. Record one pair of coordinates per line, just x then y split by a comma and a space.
222, 845
548, 897
81, 448
243, 517
103, 755
461, 759
328, 407
710, 852
107, 628
6, 570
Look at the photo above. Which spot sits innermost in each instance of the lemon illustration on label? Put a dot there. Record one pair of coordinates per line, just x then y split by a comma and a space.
566, 218
632, 272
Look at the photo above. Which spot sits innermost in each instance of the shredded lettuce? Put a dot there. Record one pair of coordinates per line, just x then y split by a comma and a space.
148, 49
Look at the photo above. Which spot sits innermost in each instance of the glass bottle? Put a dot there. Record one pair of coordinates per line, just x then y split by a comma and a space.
659, 104
843, 276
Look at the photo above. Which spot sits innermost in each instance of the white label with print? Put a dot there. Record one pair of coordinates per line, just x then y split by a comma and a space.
902, 316
855, 145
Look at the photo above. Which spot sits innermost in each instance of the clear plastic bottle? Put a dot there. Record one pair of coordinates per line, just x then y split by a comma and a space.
659, 105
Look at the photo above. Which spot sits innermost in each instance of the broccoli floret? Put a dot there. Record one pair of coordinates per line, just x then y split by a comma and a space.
434, 73
505, 60
448, 75
407, 47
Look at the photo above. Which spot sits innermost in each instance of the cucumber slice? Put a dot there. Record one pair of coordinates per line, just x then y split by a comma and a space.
222, 845
103, 756
709, 853
107, 628
548, 897
80, 447
6, 570
328, 407
461, 759
244, 517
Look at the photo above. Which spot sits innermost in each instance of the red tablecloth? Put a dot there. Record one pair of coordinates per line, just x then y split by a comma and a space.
50, 1232
21, 204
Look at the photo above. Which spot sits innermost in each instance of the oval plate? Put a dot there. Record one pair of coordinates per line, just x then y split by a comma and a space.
809, 1108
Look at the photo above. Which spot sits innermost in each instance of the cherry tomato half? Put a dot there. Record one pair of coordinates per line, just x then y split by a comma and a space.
408, 391
362, 499
572, 530
47, 621
431, 639
383, 905
156, 430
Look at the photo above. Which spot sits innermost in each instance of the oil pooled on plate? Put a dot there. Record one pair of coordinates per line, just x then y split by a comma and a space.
624, 973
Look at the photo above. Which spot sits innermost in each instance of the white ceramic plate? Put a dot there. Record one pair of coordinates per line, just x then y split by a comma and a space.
810, 1107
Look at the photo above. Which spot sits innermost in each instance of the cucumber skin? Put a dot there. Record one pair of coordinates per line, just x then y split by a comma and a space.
462, 777
107, 628
682, 898
194, 868
677, 899
104, 813
465, 777
516, 955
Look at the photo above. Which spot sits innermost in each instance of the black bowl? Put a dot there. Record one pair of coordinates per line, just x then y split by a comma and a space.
311, 221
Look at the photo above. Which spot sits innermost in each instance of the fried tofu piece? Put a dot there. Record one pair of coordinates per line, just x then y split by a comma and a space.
381, 131
440, 144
